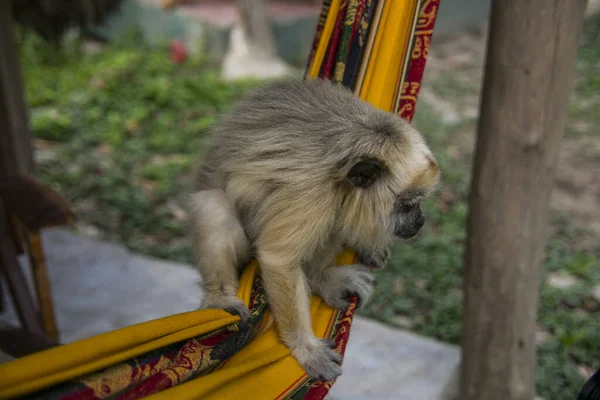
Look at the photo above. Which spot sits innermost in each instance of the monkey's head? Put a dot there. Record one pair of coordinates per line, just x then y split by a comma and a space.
391, 171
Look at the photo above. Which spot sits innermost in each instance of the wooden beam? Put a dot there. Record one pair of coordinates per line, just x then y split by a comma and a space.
15, 143
19, 342
16, 282
528, 79
41, 281
35, 205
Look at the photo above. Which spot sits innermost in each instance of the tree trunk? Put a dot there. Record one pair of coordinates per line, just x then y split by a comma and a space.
15, 143
528, 79
256, 25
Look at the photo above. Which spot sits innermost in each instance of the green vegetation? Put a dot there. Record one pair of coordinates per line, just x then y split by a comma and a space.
116, 133
585, 107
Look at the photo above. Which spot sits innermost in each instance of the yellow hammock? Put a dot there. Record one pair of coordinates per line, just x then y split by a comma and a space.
379, 49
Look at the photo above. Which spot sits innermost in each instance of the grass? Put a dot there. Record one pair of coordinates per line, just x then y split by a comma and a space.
584, 110
116, 134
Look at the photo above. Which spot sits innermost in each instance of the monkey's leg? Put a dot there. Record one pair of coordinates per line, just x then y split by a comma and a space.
289, 300
221, 247
335, 284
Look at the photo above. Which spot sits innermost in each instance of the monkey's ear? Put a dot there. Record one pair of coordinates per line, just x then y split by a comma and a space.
364, 173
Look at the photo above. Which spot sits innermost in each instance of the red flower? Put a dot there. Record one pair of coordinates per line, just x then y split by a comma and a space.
178, 53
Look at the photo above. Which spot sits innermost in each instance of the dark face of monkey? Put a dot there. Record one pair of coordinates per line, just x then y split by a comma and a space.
408, 218
406, 215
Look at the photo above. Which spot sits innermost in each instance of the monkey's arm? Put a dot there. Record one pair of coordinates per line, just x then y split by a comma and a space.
289, 300
281, 247
335, 284
375, 259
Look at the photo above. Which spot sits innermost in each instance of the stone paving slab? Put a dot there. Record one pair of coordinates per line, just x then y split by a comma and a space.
99, 287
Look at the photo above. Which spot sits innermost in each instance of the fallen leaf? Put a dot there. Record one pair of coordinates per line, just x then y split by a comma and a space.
421, 284
541, 334
590, 306
446, 201
103, 148
581, 312
132, 127
148, 186
86, 205
97, 83
585, 371
562, 281
399, 286
43, 144
151, 240
158, 159
88, 230
401, 321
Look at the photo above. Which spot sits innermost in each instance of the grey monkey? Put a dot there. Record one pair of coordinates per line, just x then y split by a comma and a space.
294, 172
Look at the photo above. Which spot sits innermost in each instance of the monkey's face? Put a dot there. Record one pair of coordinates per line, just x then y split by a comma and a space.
395, 203
385, 201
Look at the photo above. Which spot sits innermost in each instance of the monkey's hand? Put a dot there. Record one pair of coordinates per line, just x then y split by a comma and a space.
232, 304
318, 358
376, 259
337, 284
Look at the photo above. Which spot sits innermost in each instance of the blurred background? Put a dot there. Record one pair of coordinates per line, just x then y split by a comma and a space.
118, 115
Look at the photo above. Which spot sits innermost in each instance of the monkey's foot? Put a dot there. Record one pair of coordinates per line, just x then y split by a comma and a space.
232, 304
319, 359
338, 283
377, 259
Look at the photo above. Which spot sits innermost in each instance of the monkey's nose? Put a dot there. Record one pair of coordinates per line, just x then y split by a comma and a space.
420, 222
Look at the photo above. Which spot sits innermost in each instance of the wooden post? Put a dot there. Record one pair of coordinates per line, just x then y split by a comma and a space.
528, 80
16, 158
16, 282
15, 143
41, 281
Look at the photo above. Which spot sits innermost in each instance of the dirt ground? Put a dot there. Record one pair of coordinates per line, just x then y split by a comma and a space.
459, 58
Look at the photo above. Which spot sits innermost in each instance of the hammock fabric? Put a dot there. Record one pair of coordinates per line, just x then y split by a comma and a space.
378, 48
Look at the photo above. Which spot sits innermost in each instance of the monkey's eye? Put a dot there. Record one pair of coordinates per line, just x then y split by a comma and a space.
404, 208
364, 173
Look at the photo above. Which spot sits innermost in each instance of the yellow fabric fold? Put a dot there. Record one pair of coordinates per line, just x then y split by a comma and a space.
334, 9
390, 48
264, 366
385, 54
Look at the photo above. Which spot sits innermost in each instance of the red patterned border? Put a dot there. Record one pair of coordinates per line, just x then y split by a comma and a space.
318, 33
338, 330
420, 49
341, 332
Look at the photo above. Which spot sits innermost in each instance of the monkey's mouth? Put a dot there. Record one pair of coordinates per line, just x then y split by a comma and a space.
406, 235
409, 231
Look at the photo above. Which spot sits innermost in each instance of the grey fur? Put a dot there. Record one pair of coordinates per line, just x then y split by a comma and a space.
276, 170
